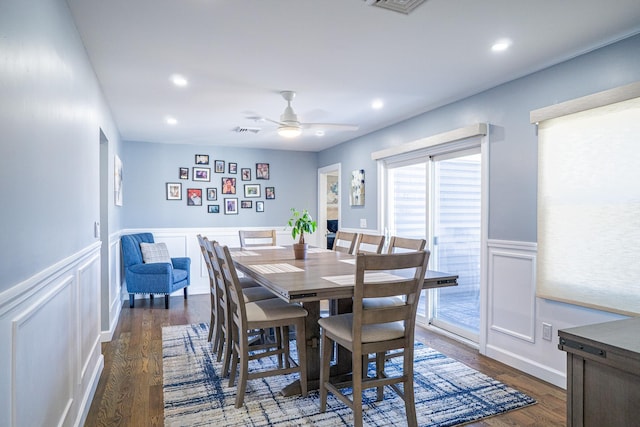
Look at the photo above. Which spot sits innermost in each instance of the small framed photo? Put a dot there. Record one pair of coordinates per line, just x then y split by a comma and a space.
246, 174
262, 170
202, 174
184, 173
231, 206
212, 194
228, 185
246, 204
213, 208
174, 191
269, 192
259, 206
219, 166
202, 159
233, 167
194, 196
252, 190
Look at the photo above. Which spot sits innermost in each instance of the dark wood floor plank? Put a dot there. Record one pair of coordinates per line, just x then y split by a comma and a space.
130, 389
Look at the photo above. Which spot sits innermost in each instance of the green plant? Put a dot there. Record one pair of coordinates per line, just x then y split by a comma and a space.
300, 223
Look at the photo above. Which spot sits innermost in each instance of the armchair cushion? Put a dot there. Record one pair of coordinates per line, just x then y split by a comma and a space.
154, 253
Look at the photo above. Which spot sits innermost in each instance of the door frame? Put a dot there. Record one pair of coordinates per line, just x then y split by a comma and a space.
323, 172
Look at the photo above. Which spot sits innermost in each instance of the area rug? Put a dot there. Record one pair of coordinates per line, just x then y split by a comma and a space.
447, 392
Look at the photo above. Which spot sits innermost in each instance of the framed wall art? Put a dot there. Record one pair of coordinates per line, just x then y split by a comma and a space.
213, 208
184, 173
201, 174
262, 170
202, 159
233, 167
356, 195
246, 204
212, 194
194, 196
231, 206
259, 206
269, 192
252, 190
117, 181
174, 191
219, 166
246, 174
228, 185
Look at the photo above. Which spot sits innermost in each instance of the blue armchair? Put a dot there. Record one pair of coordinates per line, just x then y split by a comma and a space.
152, 278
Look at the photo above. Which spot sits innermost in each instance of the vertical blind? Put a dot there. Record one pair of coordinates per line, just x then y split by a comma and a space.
589, 208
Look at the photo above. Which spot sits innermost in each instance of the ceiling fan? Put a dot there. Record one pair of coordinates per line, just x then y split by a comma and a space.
290, 127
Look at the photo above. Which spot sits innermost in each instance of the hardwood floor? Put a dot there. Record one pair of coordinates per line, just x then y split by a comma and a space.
130, 389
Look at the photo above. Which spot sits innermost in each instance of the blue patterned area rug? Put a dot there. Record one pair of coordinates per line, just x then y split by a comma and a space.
447, 392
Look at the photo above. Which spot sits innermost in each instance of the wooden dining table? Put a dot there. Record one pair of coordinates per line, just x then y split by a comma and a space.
323, 275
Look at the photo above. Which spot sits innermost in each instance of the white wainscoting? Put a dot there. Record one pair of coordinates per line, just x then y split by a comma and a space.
50, 330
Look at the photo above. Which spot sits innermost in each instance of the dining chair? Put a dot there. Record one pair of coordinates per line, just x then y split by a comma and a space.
405, 244
369, 243
222, 322
214, 324
249, 316
250, 238
376, 330
344, 241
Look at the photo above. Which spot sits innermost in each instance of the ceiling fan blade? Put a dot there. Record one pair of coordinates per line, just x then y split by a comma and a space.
259, 118
329, 126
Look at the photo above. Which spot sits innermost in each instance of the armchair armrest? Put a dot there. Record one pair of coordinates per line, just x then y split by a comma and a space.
181, 263
154, 268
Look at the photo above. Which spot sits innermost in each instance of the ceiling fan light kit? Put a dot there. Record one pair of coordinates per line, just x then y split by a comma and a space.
289, 131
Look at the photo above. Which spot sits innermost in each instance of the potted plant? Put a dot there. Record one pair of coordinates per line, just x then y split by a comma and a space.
300, 223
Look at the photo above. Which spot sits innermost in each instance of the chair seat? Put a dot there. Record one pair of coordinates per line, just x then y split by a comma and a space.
257, 294
382, 302
341, 326
272, 310
179, 275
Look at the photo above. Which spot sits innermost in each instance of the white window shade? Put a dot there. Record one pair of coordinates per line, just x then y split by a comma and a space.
589, 208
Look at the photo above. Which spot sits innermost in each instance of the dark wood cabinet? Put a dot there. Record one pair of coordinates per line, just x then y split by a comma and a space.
603, 373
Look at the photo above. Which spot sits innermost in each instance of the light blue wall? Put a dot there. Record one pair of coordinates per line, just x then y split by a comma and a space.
513, 160
51, 111
148, 166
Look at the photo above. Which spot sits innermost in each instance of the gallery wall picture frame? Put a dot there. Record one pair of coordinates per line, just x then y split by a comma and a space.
269, 193
194, 196
246, 204
246, 174
219, 166
174, 191
213, 208
233, 167
184, 173
259, 206
212, 194
356, 195
231, 206
117, 181
202, 174
251, 190
262, 170
228, 185
202, 159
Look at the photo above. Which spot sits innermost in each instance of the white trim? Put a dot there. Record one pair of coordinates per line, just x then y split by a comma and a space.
599, 99
478, 129
322, 200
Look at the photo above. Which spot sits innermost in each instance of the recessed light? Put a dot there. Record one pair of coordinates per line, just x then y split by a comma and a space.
319, 133
377, 104
179, 80
501, 45
171, 121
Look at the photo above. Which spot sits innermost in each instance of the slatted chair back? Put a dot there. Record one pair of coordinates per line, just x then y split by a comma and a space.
250, 238
345, 241
369, 243
405, 244
213, 323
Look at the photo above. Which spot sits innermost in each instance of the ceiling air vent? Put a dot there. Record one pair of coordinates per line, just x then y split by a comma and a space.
402, 6
246, 130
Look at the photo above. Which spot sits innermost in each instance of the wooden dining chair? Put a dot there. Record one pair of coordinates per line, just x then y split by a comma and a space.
249, 316
376, 330
345, 241
214, 324
250, 238
405, 244
369, 243
223, 326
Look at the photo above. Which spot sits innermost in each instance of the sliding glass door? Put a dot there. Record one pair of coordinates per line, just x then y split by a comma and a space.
438, 198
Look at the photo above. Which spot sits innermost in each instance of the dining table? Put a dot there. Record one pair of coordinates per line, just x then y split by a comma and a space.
323, 275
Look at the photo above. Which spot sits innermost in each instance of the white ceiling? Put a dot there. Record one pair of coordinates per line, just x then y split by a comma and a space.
338, 55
